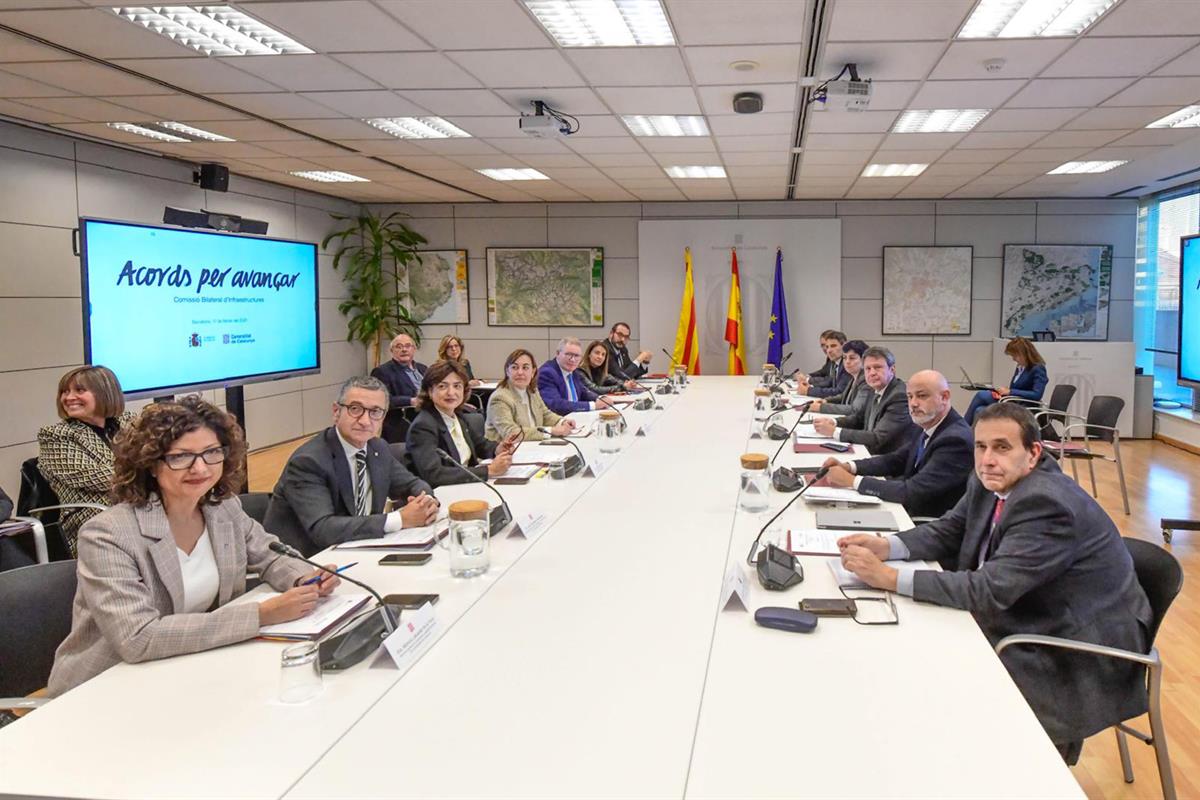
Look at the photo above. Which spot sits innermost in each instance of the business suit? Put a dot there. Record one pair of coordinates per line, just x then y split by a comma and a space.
853, 398
883, 424
313, 504
1056, 566
428, 433
401, 391
928, 487
553, 390
827, 375
836, 386
620, 365
130, 586
1029, 384
507, 414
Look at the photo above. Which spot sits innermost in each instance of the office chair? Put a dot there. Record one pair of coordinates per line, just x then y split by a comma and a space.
35, 618
38, 504
1161, 577
1060, 400
1100, 424
255, 505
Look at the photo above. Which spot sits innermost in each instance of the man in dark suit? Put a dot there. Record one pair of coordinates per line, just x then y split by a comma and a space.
928, 474
1035, 555
829, 374
846, 372
620, 365
883, 425
560, 387
335, 485
402, 377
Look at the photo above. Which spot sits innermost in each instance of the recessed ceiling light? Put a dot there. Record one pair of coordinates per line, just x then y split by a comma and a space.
1183, 118
939, 120
695, 172
329, 176
513, 174
1081, 167
745, 65
149, 133
1009, 19
213, 30
893, 170
418, 127
665, 125
603, 23
195, 133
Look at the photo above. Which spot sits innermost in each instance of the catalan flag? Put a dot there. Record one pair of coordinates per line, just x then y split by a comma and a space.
687, 345
733, 324
777, 335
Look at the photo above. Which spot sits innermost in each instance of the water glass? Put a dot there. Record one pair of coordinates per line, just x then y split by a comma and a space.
300, 673
755, 487
468, 541
608, 431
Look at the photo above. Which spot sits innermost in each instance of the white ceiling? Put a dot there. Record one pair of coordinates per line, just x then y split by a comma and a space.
478, 63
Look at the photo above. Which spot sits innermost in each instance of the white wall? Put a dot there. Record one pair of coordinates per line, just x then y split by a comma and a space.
47, 181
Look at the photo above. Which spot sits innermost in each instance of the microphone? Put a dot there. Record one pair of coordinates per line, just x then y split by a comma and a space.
569, 467
786, 359
803, 410
497, 517
754, 547
649, 396
286, 550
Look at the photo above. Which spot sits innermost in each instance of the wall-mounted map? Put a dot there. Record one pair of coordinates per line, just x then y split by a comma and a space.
1056, 287
545, 286
927, 290
436, 287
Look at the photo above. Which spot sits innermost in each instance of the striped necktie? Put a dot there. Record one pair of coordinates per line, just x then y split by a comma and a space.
987, 542
360, 484
569, 379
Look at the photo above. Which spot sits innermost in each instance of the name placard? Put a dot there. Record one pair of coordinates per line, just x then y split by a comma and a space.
411, 633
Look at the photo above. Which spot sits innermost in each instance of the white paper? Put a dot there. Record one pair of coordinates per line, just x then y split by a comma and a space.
848, 580
328, 611
414, 630
520, 472
406, 537
813, 541
830, 494
809, 432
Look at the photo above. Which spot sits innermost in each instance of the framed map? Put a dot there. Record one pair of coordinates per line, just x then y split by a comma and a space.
545, 286
436, 287
1056, 287
927, 290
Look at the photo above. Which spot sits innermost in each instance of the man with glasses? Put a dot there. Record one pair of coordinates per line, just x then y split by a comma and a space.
558, 385
401, 375
620, 365
335, 485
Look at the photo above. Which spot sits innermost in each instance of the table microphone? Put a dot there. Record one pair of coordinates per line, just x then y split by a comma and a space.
497, 517
671, 360
649, 396
773, 556
569, 469
784, 479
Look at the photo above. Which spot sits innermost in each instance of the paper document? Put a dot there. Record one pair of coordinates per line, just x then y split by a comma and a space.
330, 610
809, 432
414, 538
829, 494
519, 472
813, 542
848, 580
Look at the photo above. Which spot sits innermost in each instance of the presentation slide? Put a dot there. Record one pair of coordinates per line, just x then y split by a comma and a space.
1189, 311
167, 308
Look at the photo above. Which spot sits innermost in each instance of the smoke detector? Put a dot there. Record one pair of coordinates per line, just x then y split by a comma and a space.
994, 64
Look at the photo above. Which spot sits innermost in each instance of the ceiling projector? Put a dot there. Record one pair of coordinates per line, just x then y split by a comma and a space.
546, 122
847, 95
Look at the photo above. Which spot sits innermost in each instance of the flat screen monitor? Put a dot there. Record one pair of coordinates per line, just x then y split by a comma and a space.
1189, 312
173, 309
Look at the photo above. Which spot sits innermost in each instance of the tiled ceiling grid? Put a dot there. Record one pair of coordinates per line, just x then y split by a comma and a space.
478, 63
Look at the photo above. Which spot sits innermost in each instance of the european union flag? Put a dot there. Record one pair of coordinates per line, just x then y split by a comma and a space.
778, 334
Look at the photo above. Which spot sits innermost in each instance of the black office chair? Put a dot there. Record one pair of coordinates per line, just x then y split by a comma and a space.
38, 504
255, 505
1101, 425
395, 424
35, 618
1060, 400
1161, 577
399, 451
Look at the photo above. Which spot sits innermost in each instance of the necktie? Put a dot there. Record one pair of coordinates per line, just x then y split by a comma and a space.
360, 483
464, 452
570, 388
987, 541
921, 449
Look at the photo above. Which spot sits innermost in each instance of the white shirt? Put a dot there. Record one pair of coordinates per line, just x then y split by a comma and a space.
837, 434
200, 578
393, 522
460, 442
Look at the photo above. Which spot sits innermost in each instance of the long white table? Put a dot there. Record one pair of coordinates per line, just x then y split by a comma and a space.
592, 660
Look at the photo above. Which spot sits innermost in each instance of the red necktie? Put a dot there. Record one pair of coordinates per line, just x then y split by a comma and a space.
991, 531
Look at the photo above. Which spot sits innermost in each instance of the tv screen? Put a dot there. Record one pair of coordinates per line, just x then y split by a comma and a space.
1189, 311
172, 309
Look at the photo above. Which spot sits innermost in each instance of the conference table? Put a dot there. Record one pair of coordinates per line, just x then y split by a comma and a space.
596, 658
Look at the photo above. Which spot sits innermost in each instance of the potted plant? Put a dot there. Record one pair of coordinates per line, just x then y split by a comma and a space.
375, 252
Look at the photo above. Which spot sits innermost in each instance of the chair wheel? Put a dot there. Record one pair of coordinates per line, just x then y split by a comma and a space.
1166, 536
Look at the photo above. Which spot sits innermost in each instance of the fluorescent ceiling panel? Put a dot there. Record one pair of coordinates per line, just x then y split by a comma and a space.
149, 133
893, 170
513, 174
195, 133
665, 125
418, 127
695, 172
939, 120
1022, 19
603, 23
1081, 167
1188, 117
213, 30
329, 176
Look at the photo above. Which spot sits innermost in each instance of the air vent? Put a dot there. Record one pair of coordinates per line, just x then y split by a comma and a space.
1180, 174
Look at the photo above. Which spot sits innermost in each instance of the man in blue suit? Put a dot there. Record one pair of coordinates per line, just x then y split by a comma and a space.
402, 377
560, 388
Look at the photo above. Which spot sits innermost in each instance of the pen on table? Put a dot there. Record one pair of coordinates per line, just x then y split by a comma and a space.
321, 577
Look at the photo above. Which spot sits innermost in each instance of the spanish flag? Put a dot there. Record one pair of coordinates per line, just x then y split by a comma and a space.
733, 324
687, 347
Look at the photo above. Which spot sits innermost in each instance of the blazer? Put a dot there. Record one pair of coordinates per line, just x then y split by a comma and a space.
553, 390
930, 487
312, 506
609, 384
1056, 566
401, 389
78, 465
827, 375
882, 425
835, 387
620, 365
428, 433
1029, 383
506, 414
854, 398
130, 586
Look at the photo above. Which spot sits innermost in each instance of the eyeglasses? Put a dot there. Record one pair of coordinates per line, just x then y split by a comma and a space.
356, 411
403, 346
884, 614
182, 461
572, 356
444, 386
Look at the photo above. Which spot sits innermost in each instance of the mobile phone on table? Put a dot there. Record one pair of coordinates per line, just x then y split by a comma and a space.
831, 607
553, 443
838, 447
405, 559
409, 600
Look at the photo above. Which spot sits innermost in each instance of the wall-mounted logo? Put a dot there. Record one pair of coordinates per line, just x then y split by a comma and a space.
194, 340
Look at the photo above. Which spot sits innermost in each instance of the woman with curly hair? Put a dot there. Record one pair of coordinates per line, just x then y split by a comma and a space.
157, 570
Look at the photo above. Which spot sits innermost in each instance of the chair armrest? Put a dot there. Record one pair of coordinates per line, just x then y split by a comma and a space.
1025, 401
22, 703
39, 538
922, 520
1149, 660
96, 506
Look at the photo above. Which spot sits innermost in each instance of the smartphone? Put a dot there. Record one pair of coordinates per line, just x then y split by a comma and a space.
553, 443
405, 559
409, 600
831, 607
838, 447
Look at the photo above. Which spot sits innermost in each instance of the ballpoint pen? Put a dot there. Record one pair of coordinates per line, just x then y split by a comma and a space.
321, 577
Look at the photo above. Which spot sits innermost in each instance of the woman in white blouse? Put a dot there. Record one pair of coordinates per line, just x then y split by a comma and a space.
157, 570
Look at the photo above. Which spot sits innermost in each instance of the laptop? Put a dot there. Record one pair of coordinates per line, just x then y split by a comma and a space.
857, 520
971, 384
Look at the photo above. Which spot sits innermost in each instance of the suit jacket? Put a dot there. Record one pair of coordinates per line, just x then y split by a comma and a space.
130, 586
312, 506
591, 380
620, 365
428, 433
1056, 566
78, 464
827, 375
821, 374
401, 389
835, 386
553, 390
1030, 383
882, 425
506, 413
854, 398
930, 487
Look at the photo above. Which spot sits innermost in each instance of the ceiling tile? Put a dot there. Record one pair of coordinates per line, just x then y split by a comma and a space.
892, 95
893, 61
304, 73
1088, 139
1186, 64
1028, 119
851, 122
511, 69
1133, 56
304, 147
745, 22
410, 70
842, 141
1059, 155
21, 111
630, 66
1159, 92
997, 139
18, 48
863, 20
624, 159
97, 32
574, 101
763, 172
339, 130
1062, 92
777, 63
755, 159
19, 86
526, 144
965, 94
1119, 118
449, 102
834, 157
366, 104
1023, 58
646, 100
749, 124
777, 97
178, 107
251, 130
388, 148
444, 23
85, 108
982, 156
675, 146
85, 77
1163, 136
277, 105
750, 144
561, 166
199, 74
336, 26
920, 141
457, 147
945, 170
829, 170
1126, 153
604, 144
1149, 18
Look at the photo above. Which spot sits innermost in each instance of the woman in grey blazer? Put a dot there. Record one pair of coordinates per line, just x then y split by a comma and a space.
516, 404
157, 570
